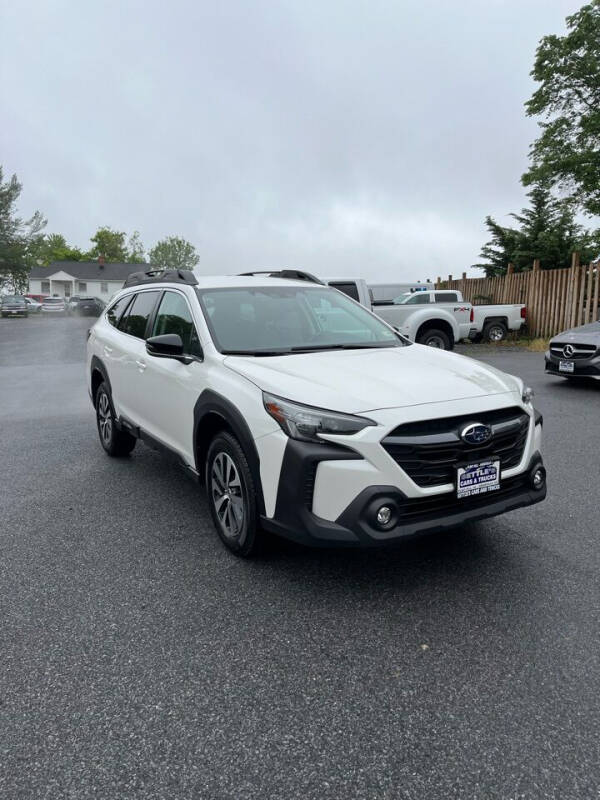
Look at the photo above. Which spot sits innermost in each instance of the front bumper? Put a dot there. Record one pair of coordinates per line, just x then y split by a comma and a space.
584, 367
356, 526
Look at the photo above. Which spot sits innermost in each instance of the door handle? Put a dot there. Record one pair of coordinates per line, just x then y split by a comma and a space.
107, 350
141, 365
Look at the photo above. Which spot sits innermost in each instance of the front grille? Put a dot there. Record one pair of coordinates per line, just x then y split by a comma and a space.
429, 451
438, 505
579, 350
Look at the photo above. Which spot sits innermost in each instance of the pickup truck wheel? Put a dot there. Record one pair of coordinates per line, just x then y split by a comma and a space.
435, 338
494, 332
231, 495
116, 443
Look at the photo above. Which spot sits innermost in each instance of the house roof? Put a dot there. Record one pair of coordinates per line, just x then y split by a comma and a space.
89, 270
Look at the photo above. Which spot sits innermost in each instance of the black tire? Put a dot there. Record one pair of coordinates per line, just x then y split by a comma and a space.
115, 442
433, 337
494, 331
231, 495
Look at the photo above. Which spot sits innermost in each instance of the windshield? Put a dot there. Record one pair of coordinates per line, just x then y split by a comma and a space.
13, 298
53, 300
281, 319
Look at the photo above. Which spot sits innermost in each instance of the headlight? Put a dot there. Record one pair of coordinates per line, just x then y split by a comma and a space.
527, 394
305, 423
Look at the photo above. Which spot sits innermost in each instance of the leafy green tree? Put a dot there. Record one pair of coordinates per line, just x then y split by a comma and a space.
174, 252
110, 244
567, 68
547, 230
54, 247
135, 249
18, 237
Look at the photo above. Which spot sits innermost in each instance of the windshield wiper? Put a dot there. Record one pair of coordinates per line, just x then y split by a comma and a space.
255, 352
312, 348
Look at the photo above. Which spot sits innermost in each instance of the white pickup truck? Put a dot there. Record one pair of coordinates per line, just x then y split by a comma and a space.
437, 324
438, 318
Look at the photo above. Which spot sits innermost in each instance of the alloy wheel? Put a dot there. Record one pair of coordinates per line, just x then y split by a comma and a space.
226, 489
105, 422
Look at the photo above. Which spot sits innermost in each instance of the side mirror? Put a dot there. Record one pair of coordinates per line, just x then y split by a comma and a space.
169, 345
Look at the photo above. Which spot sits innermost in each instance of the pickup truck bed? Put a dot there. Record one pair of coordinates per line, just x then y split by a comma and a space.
493, 322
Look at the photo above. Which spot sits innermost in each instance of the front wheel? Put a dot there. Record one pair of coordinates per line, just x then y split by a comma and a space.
231, 495
435, 338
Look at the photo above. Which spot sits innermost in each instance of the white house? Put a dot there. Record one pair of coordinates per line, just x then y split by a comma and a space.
86, 278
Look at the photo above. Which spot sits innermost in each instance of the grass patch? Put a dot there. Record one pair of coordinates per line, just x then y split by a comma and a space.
527, 343
537, 345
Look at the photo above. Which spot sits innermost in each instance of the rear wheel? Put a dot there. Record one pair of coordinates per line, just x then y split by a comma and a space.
494, 331
432, 337
231, 495
116, 443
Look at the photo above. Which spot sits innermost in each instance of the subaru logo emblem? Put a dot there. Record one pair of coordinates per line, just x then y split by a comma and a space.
476, 433
568, 350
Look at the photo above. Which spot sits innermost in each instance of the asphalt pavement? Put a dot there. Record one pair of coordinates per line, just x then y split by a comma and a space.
139, 659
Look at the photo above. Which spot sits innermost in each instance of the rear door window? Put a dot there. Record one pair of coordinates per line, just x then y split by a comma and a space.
347, 288
135, 319
446, 297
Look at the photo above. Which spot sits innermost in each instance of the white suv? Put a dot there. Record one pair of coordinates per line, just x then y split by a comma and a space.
305, 414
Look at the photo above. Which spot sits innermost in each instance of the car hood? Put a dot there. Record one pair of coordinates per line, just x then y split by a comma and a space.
584, 334
355, 381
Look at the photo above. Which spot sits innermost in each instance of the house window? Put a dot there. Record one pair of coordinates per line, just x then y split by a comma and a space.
104, 287
82, 286
45, 287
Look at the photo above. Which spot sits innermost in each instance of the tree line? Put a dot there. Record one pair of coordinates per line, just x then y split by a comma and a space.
564, 171
24, 244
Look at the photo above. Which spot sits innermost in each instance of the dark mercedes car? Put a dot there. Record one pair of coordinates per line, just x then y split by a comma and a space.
13, 305
576, 353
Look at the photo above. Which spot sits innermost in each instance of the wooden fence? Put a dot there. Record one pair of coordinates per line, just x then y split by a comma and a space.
556, 299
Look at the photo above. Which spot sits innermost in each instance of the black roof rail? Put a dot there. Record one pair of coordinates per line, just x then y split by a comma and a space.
161, 276
289, 274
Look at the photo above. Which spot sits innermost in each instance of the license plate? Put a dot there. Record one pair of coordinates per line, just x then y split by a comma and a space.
478, 478
566, 366
14, 312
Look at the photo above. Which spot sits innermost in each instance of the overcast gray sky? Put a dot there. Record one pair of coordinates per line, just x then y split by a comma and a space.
366, 138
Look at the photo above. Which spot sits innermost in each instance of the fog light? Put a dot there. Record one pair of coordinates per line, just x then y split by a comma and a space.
384, 515
539, 478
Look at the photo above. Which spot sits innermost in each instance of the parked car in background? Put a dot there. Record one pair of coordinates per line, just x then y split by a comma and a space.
385, 293
38, 297
33, 306
89, 307
13, 305
415, 314
71, 304
306, 414
492, 323
54, 305
575, 353
489, 322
